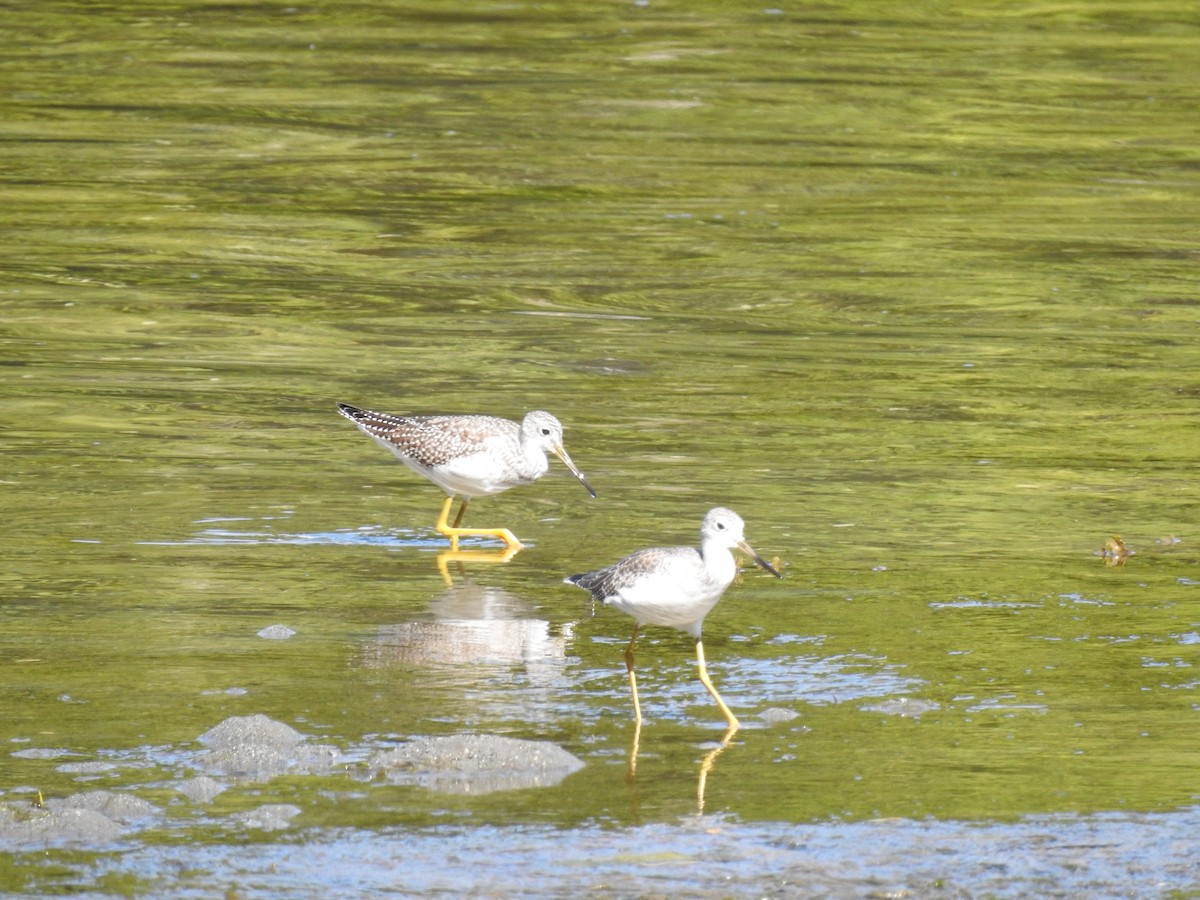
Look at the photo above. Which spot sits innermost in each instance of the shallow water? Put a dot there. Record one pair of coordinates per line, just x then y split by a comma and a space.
913, 292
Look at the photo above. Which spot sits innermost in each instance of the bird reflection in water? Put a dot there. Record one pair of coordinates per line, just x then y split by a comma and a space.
473, 631
458, 556
706, 762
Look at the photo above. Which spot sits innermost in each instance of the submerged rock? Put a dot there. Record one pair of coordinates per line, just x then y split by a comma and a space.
907, 707
776, 714
237, 731
41, 753
94, 817
258, 748
270, 817
116, 805
90, 767
277, 633
28, 825
475, 764
200, 789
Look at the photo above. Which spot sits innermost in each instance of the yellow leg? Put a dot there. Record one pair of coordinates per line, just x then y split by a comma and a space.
443, 527
454, 532
734, 724
637, 706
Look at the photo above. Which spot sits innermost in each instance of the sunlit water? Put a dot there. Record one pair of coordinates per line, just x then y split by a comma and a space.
913, 293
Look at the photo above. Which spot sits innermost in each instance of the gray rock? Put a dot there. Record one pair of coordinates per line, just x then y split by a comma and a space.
276, 633
258, 748
200, 789
778, 714
258, 730
91, 767
907, 707
23, 825
475, 764
41, 753
116, 805
271, 817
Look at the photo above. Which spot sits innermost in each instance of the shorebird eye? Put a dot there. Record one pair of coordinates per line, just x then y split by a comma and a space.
545, 432
720, 526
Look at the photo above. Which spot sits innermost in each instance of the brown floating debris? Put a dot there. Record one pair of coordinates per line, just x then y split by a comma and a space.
1115, 551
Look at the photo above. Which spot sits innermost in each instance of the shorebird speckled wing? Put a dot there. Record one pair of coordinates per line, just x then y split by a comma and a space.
469, 456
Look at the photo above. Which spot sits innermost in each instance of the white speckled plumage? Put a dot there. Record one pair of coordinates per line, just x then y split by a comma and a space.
469, 455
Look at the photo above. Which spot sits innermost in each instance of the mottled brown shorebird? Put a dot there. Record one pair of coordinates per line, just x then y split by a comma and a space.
469, 456
675, 587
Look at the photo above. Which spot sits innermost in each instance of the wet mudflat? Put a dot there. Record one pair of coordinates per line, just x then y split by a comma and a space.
156, 851
255, 749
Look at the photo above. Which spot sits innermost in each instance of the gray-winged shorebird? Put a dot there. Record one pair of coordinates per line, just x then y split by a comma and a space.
675, 587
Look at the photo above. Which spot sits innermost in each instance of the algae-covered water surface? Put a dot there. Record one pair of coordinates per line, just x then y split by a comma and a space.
911, 290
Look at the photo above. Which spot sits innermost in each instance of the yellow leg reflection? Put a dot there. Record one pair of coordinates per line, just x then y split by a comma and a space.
631, 770
472, 556
454, 532
706, 765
